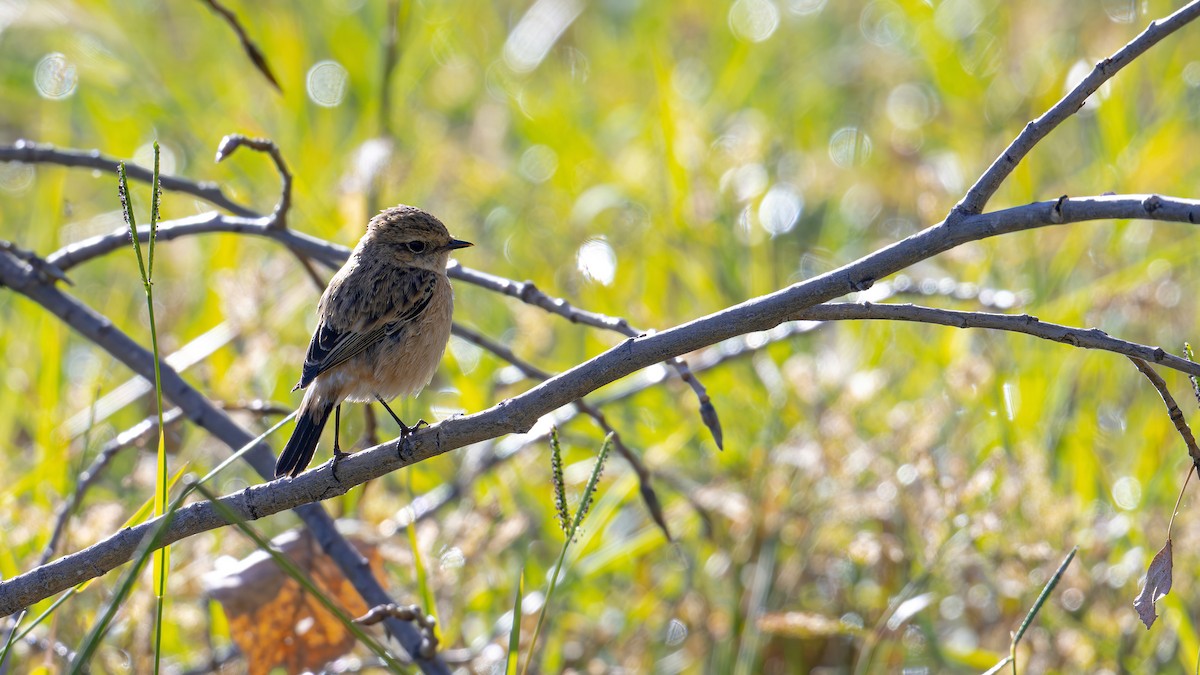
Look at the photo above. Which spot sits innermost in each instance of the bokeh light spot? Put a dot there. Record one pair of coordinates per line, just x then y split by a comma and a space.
882, 24
1121, 11
538, 163
55, 76
597, 261
1127, 492
909, 106
780, 209
804, 7
849, 147
15, 177
326, 83
753, 20
676, 633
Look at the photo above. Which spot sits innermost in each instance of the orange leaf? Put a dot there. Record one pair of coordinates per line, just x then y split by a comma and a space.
274, 621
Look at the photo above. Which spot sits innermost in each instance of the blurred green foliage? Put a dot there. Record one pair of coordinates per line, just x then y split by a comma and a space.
903, 491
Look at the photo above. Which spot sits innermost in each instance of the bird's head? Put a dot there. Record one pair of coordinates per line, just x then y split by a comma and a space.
414, 237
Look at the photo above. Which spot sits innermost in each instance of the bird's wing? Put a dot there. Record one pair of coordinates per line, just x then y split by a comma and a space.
354, 320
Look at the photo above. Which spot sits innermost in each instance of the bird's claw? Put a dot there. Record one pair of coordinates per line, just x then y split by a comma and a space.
406, 431
337, 458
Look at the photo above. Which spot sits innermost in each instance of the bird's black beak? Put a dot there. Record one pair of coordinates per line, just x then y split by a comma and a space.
458, 243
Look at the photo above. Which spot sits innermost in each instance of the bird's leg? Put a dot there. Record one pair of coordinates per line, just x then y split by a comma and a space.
404, 428
337, 449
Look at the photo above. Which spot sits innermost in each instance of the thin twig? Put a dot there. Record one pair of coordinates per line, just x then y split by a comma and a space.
231, 142
983, 189
1173, 410
1090, 338
29, 152
256, 56
645, 478
530, 294
1016, 219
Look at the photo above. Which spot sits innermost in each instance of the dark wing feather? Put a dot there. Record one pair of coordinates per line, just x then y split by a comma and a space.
341, 336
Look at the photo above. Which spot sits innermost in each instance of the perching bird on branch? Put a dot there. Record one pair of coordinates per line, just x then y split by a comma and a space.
383, 324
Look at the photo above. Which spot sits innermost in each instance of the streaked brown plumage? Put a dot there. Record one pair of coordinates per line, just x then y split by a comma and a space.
383, 324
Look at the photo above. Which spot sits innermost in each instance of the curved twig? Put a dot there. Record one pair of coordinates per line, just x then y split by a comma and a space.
231, 142
1086, 338
1173, 411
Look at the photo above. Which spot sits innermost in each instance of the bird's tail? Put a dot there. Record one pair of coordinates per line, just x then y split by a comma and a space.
298, 452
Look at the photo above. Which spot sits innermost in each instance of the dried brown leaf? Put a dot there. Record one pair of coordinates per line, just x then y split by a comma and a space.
275, 622
1158, 584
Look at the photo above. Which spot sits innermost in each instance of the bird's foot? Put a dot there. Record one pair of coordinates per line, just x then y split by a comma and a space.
337, 457
406, 430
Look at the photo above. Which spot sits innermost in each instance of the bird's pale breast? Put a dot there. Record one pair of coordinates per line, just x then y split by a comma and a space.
403, 363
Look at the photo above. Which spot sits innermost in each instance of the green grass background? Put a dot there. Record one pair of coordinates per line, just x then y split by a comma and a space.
866, 464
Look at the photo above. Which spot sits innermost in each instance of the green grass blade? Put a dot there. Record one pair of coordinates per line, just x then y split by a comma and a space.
585, 505
155, 202
130, 219
423, 589
514, 633
148, 545
562, 510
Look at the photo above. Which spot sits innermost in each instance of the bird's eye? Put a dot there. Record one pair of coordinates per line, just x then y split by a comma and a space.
416, 246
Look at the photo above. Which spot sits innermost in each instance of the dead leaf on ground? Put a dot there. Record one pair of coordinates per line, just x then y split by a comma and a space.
274, 621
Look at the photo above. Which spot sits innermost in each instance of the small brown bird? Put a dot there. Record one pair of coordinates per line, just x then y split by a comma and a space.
383, 324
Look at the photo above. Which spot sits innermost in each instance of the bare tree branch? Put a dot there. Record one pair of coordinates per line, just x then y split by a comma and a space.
1091, 338
41, 153
48, 270
1173, 410
977, 197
